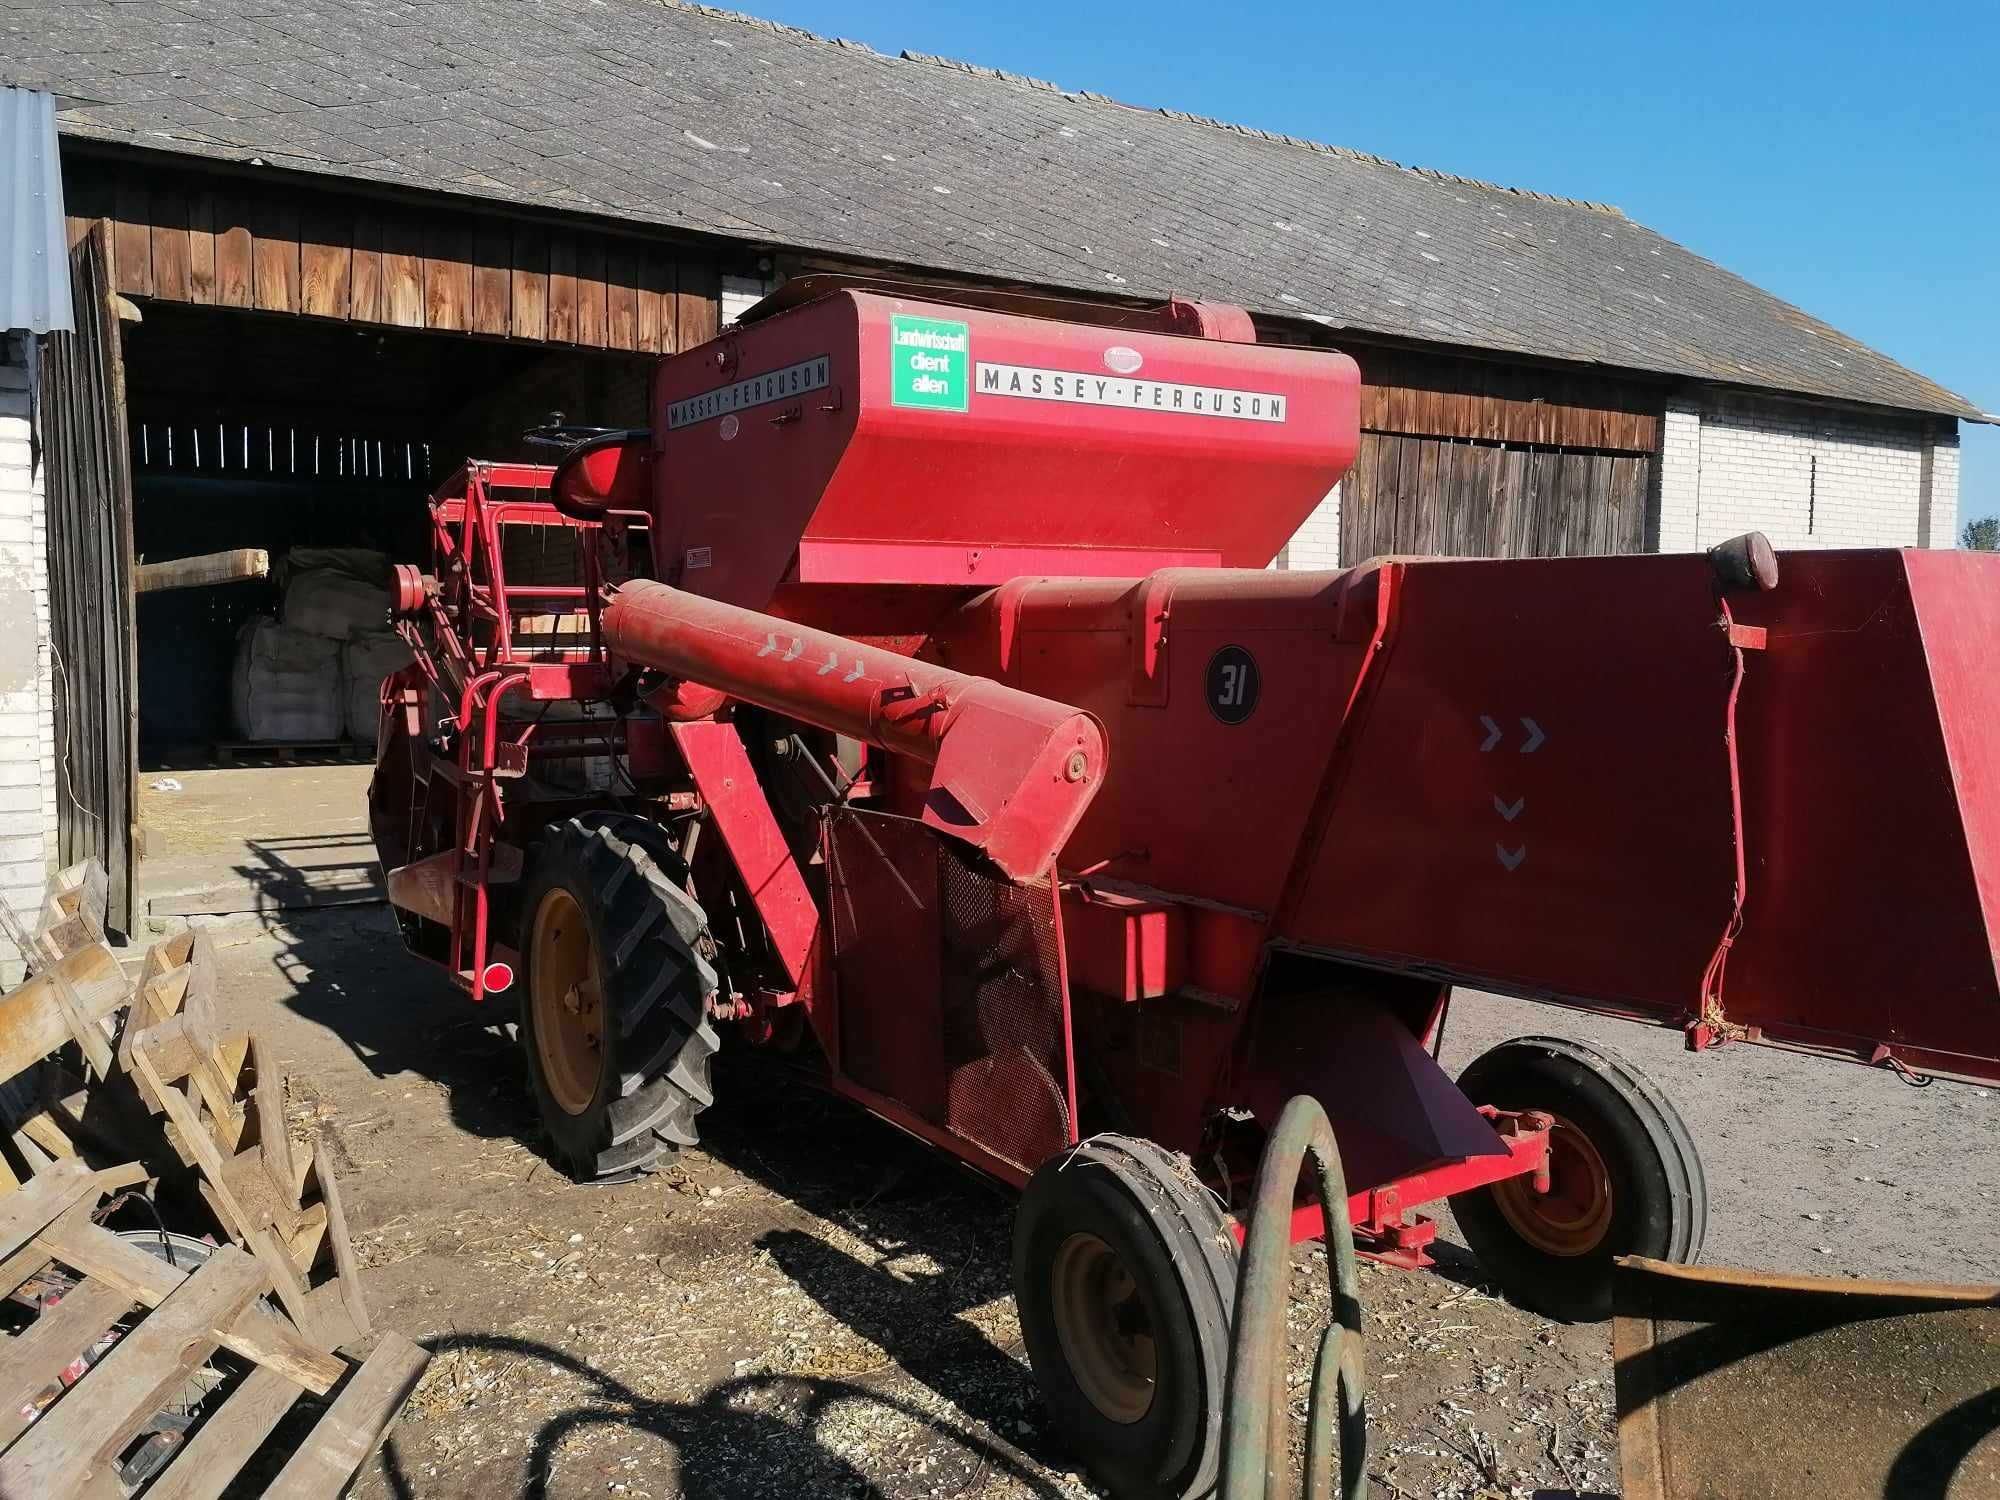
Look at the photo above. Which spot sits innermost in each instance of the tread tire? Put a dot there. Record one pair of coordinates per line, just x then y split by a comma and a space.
1174, 1239
646, 929
1659, 1190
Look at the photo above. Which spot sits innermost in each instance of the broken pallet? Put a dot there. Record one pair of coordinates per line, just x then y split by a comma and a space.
72, 1446
225, 1108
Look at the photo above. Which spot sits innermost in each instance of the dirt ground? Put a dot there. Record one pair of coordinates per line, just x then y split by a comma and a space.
812, 1305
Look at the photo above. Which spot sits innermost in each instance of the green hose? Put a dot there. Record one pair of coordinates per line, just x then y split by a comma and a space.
1256, 1452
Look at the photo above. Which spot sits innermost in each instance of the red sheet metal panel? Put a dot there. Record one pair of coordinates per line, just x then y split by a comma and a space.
1537, 797
1870, 731
976, 1041
881, 440
882, 888
722, 770
1205, 803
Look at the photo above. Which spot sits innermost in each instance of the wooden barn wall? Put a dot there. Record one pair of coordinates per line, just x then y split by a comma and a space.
1474, 458
1425, 395
89, 482
1457, 498
219, 240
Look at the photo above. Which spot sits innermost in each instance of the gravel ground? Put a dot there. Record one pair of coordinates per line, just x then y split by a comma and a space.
813, 1305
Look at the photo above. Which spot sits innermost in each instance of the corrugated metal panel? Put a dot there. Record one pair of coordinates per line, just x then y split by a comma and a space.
34, 249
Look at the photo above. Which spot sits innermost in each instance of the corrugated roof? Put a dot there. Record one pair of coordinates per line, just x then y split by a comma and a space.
34, 249
692, 118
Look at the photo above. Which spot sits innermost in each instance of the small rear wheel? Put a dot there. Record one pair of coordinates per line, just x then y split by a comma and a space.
614, 1019
1125, 1275
1624, 1178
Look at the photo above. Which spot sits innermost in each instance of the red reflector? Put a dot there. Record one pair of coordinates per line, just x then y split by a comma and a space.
498, 977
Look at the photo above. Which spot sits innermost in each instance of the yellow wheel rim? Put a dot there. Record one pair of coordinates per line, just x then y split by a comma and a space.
1105, 1328
567, 1001
1574, 1215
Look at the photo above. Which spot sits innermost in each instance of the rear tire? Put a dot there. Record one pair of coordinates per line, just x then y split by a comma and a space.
1125, 1278
1625, 1178
614, 1018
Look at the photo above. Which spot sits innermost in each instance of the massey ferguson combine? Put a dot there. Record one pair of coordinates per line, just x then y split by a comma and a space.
912, 697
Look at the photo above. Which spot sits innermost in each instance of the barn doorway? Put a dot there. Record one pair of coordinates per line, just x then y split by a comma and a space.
319, 443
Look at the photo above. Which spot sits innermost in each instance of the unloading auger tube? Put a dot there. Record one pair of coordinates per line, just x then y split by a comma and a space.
1011, 772
1256, 1433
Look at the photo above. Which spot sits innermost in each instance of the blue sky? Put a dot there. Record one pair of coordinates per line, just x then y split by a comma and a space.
1843, 156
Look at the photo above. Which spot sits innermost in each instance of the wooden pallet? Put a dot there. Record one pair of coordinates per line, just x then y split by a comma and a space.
224, 1105
71, 917
72, 1447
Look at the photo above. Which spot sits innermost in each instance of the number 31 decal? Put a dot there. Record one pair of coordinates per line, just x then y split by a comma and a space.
1233, 684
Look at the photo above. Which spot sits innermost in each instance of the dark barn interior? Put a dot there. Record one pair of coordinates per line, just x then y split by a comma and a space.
253, 430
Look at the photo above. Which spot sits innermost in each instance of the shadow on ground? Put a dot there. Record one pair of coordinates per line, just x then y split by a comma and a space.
752, 1437
942, 1235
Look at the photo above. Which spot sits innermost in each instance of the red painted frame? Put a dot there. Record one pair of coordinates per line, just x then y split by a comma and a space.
467, 590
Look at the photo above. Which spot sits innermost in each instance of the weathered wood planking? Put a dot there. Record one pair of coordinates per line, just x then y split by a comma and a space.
132, 237
402, 270
256, 1333
216, 240
201, 247
354, 1425
274, 264
171, 251
87, 459
35, 1015
590, 301
28, 1210
64, 1451
41, 1352
621, 296
1439, 497
492, 278
1429, 395
234, 251
227, 1441
698, 303
448, 254
531, 282
364, 272
326, 264
562, 287
656, 304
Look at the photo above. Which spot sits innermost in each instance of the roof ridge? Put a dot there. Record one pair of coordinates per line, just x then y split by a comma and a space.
980, 70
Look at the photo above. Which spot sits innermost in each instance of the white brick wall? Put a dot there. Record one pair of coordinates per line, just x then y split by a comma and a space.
27, 699
741, 293
1316, 544
1944, 492
1804, 476
1680, 479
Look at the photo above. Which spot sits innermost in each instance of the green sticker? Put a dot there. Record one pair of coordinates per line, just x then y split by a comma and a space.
930, 363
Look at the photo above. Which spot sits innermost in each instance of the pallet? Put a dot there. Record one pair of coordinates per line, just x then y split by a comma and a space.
224, 1107
222, 1103
71, 1446
71, 917
74, 998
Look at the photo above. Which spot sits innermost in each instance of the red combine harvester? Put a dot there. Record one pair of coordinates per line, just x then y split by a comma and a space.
912, 695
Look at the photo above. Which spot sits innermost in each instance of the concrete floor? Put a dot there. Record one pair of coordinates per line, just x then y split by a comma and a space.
254, 838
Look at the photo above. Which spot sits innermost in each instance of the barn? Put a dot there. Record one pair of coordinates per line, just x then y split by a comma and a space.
322, 256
